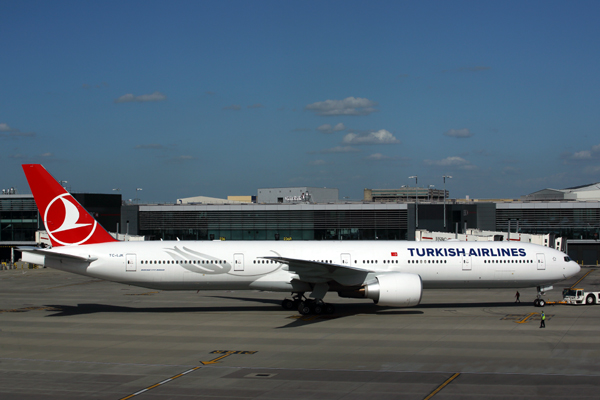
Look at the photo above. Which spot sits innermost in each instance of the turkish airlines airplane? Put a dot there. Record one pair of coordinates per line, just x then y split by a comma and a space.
391, 273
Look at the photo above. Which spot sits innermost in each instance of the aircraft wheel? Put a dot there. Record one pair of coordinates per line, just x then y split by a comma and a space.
590, 299
303, 308
329, 309
287, 304
317, 309
542, 303
536, 303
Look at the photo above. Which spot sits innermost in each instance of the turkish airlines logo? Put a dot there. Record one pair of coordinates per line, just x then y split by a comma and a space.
62, 211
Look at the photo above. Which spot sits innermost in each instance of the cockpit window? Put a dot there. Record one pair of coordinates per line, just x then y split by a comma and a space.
568, 259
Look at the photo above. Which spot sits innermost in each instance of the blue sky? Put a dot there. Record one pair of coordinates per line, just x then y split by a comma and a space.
188, 98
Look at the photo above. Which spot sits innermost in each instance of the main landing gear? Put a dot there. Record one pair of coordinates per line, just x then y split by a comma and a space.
307, 306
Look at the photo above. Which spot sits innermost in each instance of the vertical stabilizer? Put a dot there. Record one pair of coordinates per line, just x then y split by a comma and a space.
66, 221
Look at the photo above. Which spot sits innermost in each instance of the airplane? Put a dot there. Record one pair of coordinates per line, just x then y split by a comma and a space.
391, 273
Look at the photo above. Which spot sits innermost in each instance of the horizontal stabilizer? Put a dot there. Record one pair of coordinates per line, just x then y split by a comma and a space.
37, 253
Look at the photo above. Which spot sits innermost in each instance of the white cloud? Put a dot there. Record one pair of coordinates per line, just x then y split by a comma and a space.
382, 136
317, 162
347, 106
458, 133
456, 162
233, 107
583, 155
592, 170
340, 149
17, 133
13, 132
129, 98
377, 157
477, 68
509, 170
327, 128
256, 105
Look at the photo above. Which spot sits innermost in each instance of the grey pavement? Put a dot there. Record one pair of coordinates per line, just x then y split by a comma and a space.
65, 336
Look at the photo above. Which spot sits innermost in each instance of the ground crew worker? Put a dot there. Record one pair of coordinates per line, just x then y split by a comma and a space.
518, 296
543, 319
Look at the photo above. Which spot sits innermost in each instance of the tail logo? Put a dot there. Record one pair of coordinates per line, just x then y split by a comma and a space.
70, 231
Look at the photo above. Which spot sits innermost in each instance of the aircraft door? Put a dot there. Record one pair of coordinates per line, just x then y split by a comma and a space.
466, 263
238, 262
541, 261
131, 263
346, 259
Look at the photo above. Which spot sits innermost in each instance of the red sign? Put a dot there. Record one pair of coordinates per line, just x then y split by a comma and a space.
394, 254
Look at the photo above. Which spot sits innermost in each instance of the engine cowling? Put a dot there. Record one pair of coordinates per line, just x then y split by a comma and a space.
396, 289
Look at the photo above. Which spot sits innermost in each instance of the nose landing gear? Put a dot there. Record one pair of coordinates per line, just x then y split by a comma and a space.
541, 290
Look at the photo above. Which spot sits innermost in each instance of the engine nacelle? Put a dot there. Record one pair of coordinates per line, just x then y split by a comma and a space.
395, 289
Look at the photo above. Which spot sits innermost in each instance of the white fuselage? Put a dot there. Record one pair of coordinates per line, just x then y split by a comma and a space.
239, 265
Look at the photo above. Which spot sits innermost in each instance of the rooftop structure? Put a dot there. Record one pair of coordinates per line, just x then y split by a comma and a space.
576, 193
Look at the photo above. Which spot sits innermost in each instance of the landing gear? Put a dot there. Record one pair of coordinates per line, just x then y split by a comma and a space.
539, 303
316, 307
292, 304
287, 304
307, 306
541, 290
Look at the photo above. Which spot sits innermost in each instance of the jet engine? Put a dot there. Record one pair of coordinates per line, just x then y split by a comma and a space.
396, 289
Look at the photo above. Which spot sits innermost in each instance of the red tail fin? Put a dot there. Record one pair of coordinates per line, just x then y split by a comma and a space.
66, 221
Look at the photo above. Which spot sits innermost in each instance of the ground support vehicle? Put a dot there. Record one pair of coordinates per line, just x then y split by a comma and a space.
578, 296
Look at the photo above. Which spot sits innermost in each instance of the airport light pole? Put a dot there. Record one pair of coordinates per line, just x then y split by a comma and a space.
449, 177
137, 195
416, 200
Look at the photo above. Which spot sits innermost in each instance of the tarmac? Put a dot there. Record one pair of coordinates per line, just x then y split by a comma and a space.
65, 336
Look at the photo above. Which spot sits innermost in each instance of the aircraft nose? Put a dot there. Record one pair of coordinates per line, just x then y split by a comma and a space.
573, 268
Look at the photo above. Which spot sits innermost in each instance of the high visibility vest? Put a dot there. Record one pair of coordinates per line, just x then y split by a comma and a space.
543, 316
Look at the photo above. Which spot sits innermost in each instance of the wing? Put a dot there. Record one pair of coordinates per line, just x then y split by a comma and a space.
320, 272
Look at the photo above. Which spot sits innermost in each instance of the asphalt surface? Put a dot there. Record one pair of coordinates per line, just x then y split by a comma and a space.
64, 336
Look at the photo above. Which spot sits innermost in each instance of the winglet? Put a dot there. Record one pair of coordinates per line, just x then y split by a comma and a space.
66, 221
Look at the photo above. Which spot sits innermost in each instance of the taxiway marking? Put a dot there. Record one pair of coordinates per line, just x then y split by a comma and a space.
226, 353
443, 385
160, 383
582, 278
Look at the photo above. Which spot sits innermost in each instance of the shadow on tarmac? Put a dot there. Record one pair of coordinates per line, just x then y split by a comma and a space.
297, 320
474, 305
81, 309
